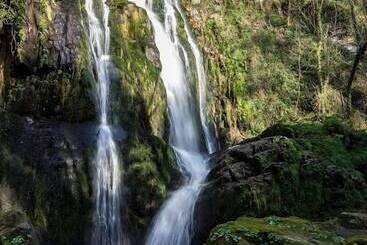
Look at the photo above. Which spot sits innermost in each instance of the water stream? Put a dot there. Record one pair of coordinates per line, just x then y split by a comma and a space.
173, 224
107, 224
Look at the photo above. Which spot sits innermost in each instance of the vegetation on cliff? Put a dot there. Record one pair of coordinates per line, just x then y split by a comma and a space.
280, 60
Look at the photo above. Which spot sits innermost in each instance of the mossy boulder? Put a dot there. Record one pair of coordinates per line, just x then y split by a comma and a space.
307, 170
272, 230
287, 230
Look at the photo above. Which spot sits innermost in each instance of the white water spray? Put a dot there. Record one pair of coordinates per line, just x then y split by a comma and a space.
173, 224
107, 224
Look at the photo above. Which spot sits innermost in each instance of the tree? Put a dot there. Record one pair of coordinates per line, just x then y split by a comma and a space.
360, 32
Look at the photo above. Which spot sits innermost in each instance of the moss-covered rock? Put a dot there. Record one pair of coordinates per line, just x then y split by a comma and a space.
45, 69
290, 230
272, 230
141, 101
303, 170
139, 105
151, 173
357, 240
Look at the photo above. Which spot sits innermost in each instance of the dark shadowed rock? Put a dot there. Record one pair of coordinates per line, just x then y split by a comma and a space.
44, 165
353, 220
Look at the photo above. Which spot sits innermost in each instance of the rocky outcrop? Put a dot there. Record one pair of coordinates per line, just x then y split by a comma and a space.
287, 231
44, 63
54, 35
285, 172
44, 176
54, 83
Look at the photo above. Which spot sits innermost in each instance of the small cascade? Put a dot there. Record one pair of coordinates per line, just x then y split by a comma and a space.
173, 224
107, 224
211, 142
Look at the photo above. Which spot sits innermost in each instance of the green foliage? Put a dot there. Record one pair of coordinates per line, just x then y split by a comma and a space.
12, 13
278, 61
117, 4
333, 142
15, 240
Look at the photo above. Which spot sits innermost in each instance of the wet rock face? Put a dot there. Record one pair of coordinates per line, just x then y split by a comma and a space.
53, 33
44, 166
30, 44
45, 69
67, 31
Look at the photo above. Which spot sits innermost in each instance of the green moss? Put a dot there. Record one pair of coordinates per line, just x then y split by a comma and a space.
357, 240
150, 168
312, 168
54, 95
272, 230
333, 141
141, 98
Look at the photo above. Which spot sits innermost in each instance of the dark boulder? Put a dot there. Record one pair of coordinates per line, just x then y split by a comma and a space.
278, 175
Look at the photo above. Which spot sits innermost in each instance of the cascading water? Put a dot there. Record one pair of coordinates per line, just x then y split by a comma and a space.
107, 226
210, 140
173, 224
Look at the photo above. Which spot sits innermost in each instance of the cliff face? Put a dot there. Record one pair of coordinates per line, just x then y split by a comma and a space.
46, 61
46, 79
266, 62
45, 179
45, 76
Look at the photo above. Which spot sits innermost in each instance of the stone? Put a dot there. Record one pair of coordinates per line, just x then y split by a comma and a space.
273, 230
273, 175
46, 176
353, 220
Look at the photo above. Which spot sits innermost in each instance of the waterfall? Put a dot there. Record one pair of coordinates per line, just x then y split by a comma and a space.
210, 140
107, 225
173, 224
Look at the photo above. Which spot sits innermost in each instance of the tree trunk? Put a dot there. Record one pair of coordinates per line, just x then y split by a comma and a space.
357, 60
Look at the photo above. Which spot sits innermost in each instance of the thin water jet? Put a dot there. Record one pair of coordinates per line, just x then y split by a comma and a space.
108, 228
